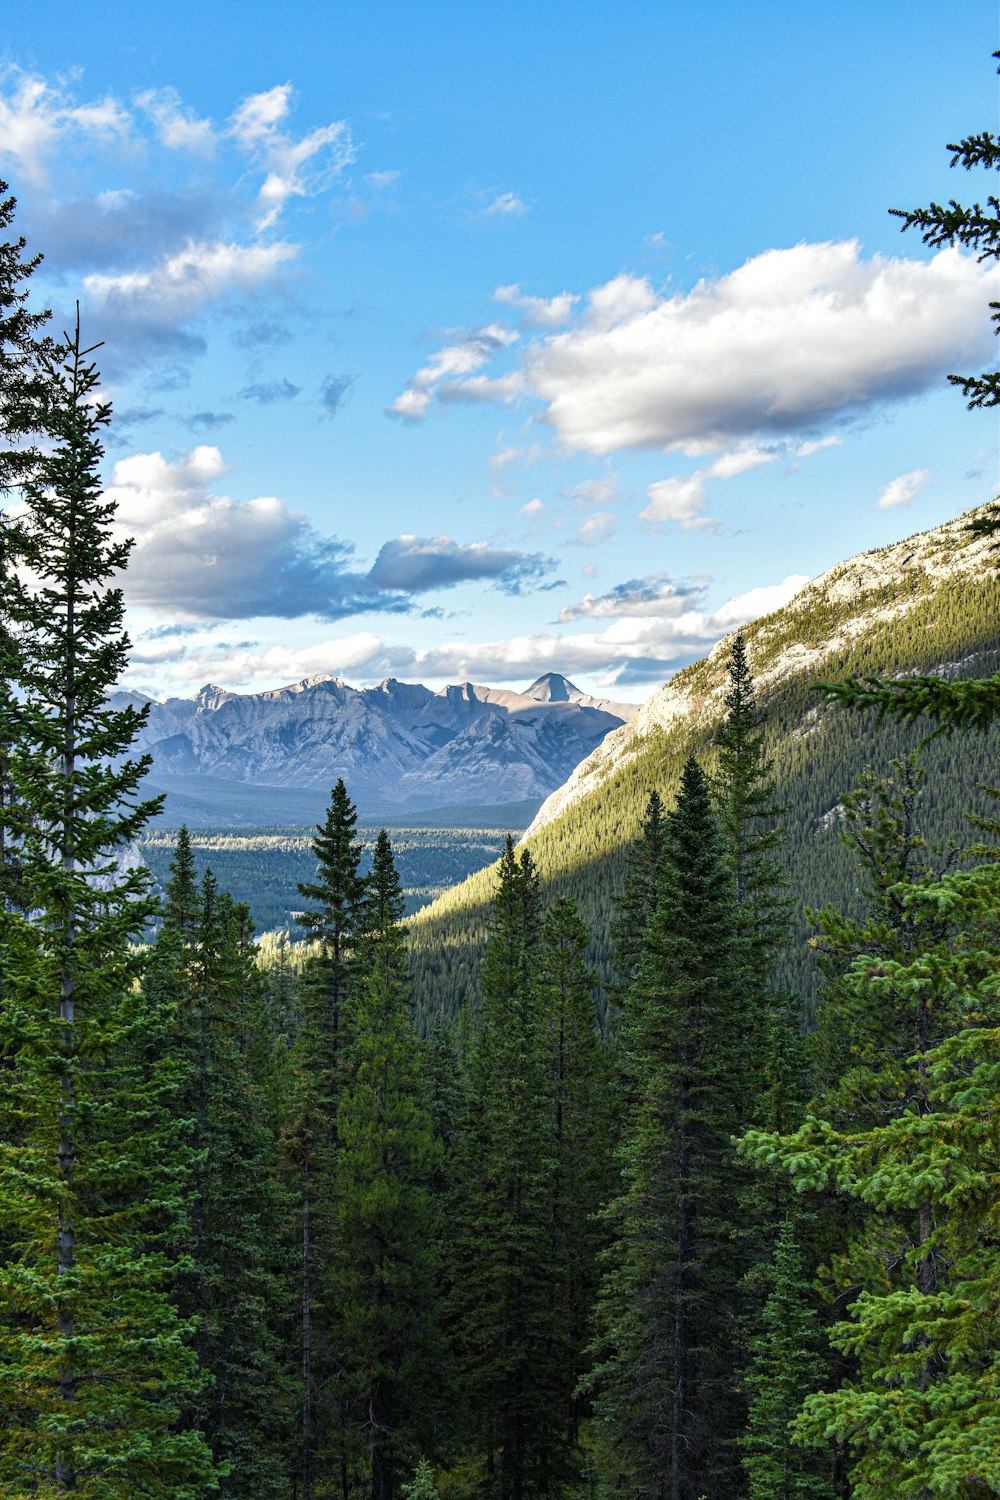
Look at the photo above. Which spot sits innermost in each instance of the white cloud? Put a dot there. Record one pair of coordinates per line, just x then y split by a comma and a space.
742, 608
806, 450
678, 502
471, 350
299, 168
534, 510
602, 490
177, 126
596, 528
741, 460
792, 338
200, 555
142, 310
538, 312
36, 117
203, 556
901, 490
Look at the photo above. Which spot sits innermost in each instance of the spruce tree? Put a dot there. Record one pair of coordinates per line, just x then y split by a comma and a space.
97, 1365
383, 1285
232, 1286
510, 1320
668, 1410
583, 1086
788, 1364
309, 1130
22, 421
920, 1411
634, 908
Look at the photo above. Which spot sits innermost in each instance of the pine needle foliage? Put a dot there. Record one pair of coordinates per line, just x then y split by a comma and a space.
98, 1364
668, 1410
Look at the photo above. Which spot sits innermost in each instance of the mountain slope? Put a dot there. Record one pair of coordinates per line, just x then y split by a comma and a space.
931, 603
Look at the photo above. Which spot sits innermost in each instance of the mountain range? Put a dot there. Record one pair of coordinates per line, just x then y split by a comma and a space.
272, 757
928, 604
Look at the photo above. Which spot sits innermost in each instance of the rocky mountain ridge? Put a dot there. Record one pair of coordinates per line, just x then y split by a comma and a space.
397, 745
872, 589
929, 604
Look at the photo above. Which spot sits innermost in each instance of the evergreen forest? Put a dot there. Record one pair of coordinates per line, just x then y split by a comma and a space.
654, 1186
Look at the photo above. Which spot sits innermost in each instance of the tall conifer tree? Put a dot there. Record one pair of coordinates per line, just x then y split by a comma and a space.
669, 1414
384, 1282
310, 1127
511, 1324
97, 1365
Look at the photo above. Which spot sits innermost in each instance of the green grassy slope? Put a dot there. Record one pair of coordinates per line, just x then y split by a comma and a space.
887, 613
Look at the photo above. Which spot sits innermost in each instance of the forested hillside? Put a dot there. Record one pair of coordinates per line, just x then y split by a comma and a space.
929, 604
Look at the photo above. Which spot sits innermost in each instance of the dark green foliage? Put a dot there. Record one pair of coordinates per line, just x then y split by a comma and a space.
583, 1128
665, 1385
920, 1412
232, 1285
384, 1283
23, 347
633, 910
512, 1326
309, 1131
93, 1183
788, 1363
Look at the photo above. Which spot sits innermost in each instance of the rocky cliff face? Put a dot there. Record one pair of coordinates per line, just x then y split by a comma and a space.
397, 744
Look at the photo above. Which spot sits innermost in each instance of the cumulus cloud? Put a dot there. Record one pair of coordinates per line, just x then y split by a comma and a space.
654, 627
742, 608
203, 555
538, 312
469, 351
177, 126
295, 168
601, 490
791, 339
901, 490
678, 502
416, 564
36, 117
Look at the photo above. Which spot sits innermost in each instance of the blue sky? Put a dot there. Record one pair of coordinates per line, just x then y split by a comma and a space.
455, 342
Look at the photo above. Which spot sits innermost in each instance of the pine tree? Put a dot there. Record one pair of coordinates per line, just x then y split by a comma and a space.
634, 908
384, 1273
23, 352
512, 1328
310, 1127
921, 1411
669, 1415
788, 1364
97, 1365
583, 1081
22, 419
232, 1287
